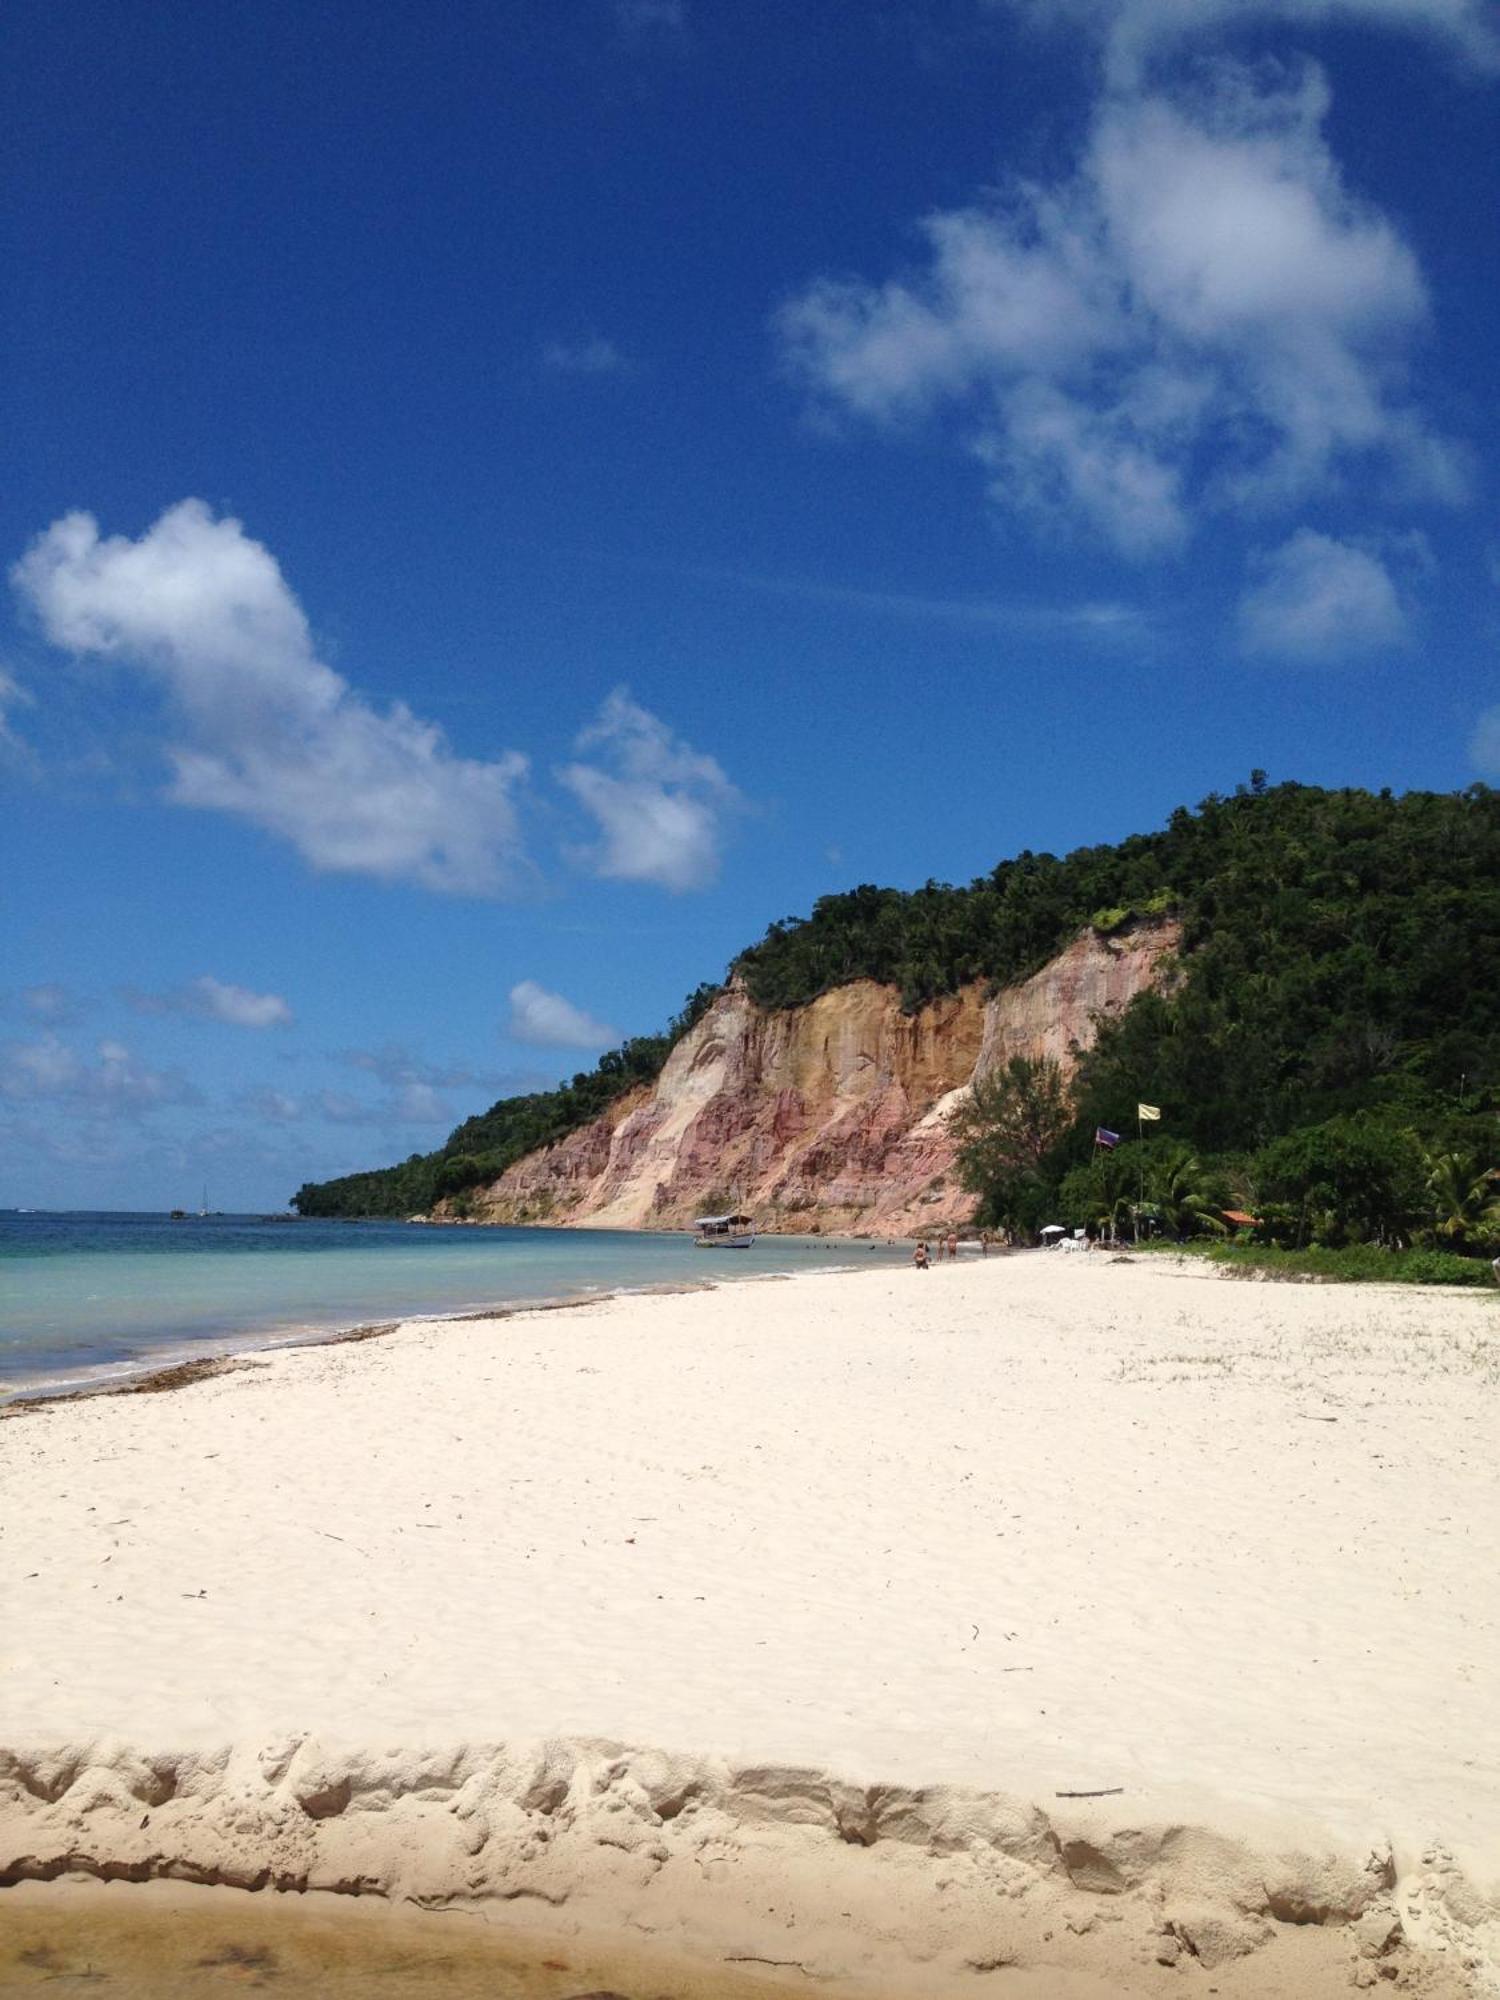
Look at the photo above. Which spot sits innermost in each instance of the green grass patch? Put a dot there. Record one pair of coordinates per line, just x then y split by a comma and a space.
1359, 1263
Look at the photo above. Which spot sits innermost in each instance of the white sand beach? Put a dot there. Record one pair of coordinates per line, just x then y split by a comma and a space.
1104, 1623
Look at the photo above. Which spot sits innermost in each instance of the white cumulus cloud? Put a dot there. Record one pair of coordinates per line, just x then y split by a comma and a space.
1133, 31
211, 999
262, 728
549, 1021
115, 1083
1201, 315
1319, 600
419, 1104
660, 805
238, 1006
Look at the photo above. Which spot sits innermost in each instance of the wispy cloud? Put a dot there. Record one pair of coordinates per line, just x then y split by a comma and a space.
659, 805
1484, 745
262, 729
210, 999
396, 1066
12, 697
1100, 616
546, 1020
51, 1003
412, 1104
638, 17
275, 1107
592, 356
1319, 600
1201, 316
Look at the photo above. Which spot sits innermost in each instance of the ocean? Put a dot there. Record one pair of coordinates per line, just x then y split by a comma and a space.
89, 1297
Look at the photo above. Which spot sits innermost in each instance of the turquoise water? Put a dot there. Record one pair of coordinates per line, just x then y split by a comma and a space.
94, 1295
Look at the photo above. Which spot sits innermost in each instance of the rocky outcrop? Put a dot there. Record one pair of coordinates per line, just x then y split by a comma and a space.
833, 1116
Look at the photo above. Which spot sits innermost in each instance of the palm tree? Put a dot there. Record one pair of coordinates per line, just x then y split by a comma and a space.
1181, 1188
1465, 1197
1111, 1195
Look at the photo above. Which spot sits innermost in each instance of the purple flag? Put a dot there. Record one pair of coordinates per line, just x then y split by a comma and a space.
1104, 1137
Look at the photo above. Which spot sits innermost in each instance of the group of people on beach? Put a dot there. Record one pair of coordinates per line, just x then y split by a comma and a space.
947, 1245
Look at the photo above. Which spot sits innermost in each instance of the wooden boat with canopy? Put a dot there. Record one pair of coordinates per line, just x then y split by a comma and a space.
735, 1231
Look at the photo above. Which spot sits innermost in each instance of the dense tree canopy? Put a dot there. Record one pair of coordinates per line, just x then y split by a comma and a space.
1340, 959
1010, 1128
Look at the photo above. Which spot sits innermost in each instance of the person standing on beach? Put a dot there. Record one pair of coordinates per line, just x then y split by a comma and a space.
952, 1244
919, 1256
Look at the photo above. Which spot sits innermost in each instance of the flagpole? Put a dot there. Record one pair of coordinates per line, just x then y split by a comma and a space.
1099, 1176
1140, 1160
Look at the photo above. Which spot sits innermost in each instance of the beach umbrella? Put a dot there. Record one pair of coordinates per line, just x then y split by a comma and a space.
1054, 1229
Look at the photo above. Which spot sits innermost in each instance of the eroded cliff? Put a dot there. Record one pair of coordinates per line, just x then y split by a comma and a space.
833, 1116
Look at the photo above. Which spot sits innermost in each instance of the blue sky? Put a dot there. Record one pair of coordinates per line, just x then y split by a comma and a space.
502, 501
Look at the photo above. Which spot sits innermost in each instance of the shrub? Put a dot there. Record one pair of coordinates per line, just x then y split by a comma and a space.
1360, 1263
1348, 1180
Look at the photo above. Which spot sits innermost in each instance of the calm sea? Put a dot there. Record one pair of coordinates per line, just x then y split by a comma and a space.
96, 1295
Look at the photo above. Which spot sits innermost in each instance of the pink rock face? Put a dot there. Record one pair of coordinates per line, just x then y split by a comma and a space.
834, 1116
1055, 1013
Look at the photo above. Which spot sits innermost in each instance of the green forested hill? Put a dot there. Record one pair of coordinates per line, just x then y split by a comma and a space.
1341, 955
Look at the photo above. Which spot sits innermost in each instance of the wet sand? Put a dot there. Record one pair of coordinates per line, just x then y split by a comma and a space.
160, 1941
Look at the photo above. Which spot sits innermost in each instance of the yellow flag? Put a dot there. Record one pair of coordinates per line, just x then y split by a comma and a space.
1148, 1112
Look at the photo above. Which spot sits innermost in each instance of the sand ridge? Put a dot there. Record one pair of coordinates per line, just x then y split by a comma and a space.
887, 1563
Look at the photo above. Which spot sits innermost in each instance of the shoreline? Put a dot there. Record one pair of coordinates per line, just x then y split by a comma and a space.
208, 1354
155, 1375
901, 1567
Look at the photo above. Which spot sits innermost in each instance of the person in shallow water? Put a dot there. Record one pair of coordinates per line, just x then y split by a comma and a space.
919, 1256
